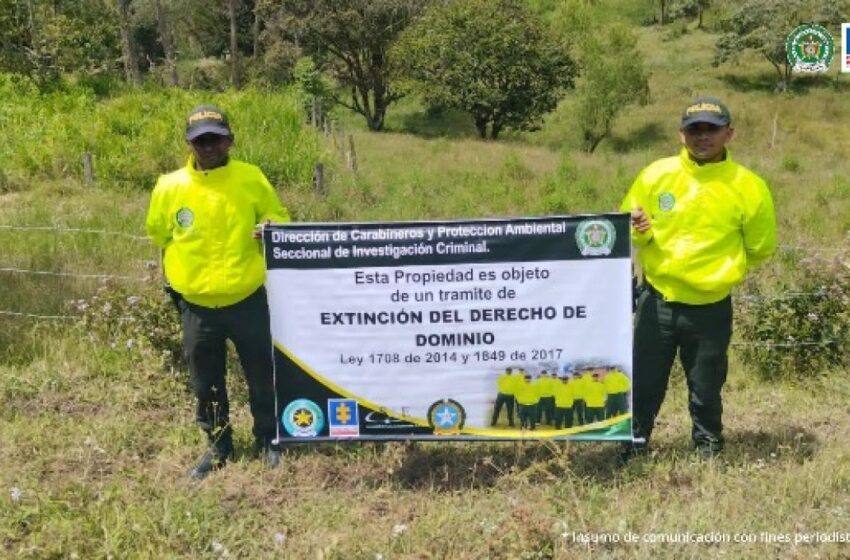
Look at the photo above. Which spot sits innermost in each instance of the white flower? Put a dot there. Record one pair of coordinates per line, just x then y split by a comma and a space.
133, 300
219, 549
16, 494
280, 538
399, 529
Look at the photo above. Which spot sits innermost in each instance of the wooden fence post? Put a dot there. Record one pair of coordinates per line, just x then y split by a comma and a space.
88, 168
352, 154
319, 179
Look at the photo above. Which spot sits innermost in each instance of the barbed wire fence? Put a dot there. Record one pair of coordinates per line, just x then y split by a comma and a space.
148, 279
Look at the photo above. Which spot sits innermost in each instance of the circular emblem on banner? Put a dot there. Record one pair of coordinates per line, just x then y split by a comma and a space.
446, 416
666, 201
595, 237
302, 418
185, 217
809, 48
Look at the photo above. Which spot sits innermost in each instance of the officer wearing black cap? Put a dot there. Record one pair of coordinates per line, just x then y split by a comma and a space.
700, 222
204, 217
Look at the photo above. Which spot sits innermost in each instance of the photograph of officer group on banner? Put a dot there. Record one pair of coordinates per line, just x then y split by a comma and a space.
486, 329
568, 397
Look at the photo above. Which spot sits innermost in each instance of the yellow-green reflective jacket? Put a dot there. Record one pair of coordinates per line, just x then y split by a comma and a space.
526, 394
564, 394
544, 387
595, 394
507, 383
616, 382
204, 221
710, 224
580, 385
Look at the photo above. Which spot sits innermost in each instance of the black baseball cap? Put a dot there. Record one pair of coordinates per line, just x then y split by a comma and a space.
207, 119
706, 110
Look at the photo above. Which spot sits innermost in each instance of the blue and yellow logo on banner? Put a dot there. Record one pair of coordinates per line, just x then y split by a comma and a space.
343, 418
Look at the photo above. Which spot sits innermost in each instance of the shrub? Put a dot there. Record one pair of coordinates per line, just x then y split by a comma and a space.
804, 329
144, 322
791, 163
137, 136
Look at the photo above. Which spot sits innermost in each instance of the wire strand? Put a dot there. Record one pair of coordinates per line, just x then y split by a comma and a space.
61, 229
73, 274
36, 316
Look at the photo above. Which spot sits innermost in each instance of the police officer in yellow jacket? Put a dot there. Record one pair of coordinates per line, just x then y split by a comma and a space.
594, 397
564, 400
700, 221
204, 216
527, 399
617, 386
545, 387
507, 384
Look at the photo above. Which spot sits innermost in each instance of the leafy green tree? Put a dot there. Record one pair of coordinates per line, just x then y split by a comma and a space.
15, 36
45, 39
613, 78
491, 58
764, 25
352, 38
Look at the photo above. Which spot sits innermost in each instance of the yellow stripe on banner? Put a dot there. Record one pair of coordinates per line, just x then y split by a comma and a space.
548, 433
483, 432
348, 394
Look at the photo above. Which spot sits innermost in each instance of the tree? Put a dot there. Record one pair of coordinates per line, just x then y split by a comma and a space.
166, 42
691, 9
354, 36
234, 43
128, 48
491, 58
764, 25
16, 41
614, 77
46, 39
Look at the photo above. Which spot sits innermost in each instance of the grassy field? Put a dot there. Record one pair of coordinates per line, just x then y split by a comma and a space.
96, 436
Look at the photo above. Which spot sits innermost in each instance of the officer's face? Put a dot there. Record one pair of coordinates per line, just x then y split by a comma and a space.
705, 142
211, 150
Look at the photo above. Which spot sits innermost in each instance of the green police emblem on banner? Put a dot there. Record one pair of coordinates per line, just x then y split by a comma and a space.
809, 49
666, 201
185, 217
595, 237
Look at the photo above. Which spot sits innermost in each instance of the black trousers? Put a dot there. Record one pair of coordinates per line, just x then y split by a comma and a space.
528, 416
563, 417
205, 332
546, 410
579, 408
616, 404
503, 399
700, 334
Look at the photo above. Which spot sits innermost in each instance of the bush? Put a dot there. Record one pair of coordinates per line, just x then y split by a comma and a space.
142, 322
208, 73
804, 329
275, 67
137, 136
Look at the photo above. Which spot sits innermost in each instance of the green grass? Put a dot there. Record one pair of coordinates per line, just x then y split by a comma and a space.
96, 438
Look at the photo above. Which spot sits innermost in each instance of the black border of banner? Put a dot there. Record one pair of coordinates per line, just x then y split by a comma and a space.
292, 382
